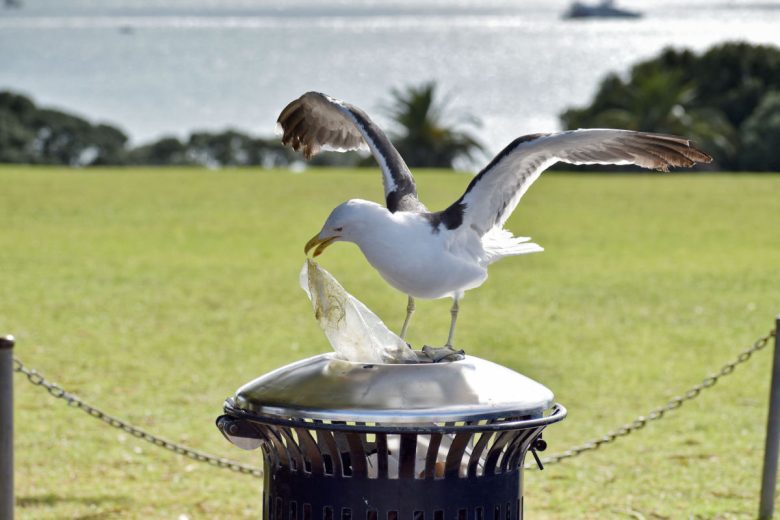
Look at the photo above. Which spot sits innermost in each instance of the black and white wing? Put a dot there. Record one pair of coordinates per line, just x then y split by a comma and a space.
315, 122
495, 192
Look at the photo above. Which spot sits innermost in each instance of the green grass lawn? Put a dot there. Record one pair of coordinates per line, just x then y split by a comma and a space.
156, 293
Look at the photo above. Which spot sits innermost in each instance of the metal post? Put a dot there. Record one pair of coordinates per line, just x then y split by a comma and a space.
769, 475
6, 428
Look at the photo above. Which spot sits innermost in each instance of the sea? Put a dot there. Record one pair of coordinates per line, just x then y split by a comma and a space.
157, 68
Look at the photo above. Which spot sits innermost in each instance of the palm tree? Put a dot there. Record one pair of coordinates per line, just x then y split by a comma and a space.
425, 137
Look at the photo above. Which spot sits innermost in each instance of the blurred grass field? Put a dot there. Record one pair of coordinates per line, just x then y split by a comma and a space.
155, 293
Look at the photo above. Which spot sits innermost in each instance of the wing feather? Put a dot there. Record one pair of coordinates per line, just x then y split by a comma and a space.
494, 193
316, 122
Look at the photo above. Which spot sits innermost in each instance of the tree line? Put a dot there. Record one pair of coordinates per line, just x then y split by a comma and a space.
34, 135
727, 100
30, 134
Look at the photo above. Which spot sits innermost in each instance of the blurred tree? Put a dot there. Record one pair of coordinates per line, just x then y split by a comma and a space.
707, 98
110, 145
425, 137
761, 135
62, 138
29, 134
16, 137
164, 151
228, 148
271, 153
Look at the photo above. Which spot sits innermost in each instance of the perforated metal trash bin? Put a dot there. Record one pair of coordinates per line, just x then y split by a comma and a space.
353, 441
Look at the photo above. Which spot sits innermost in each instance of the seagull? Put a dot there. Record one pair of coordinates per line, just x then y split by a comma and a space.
440, 254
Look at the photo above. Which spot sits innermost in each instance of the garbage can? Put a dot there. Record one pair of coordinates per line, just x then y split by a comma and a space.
354, 441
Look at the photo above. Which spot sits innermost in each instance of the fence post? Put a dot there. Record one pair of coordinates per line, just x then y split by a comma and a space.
7, 428
769, 475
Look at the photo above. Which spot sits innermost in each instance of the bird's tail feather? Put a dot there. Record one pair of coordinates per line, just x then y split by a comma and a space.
499, 243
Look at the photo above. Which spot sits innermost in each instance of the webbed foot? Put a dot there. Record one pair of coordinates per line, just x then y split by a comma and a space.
446, 353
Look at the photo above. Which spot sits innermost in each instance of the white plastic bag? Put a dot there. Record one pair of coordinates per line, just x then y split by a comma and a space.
354, 332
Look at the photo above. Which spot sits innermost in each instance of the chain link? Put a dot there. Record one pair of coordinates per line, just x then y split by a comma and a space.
637, 424
57, 391
660, 412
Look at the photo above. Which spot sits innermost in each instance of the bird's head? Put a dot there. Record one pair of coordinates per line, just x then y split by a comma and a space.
347, 223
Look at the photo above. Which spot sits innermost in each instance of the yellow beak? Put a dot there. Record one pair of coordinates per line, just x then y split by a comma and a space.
321, 244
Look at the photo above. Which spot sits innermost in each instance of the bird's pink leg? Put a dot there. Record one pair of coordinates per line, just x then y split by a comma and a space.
409, 312
454, 314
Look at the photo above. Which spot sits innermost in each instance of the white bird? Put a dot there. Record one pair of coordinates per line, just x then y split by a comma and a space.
442, 254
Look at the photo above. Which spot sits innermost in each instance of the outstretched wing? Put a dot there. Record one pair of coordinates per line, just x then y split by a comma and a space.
495, 192
315, 122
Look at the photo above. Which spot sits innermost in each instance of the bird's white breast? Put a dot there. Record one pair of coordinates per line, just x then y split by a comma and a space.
421, 262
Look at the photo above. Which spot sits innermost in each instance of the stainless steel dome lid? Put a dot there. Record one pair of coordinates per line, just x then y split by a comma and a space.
326, 388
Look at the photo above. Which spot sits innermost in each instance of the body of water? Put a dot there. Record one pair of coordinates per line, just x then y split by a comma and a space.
208, 64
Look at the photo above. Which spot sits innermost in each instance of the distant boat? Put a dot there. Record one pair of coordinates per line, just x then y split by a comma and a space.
605, 9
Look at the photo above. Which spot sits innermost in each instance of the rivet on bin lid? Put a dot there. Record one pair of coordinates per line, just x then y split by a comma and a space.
326, 388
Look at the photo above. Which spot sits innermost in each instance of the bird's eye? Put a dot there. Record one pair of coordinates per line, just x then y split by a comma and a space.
339, 229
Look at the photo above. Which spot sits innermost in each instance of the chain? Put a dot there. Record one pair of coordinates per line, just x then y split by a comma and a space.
637, 424
57, 391
660, 412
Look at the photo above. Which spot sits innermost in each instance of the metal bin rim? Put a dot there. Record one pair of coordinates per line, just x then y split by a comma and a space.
557, 413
